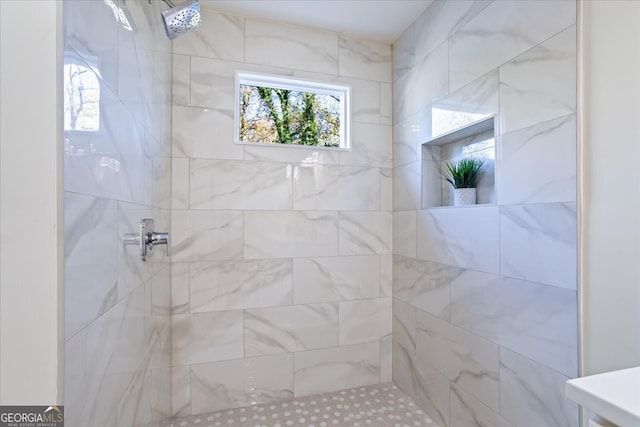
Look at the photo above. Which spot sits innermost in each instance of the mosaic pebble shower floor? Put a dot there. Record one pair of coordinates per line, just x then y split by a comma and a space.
380, 405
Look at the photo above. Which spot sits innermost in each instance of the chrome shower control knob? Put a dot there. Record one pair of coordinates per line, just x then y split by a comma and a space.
146, 239
158, 238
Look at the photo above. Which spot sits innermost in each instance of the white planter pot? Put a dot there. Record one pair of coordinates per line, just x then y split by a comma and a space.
464, 196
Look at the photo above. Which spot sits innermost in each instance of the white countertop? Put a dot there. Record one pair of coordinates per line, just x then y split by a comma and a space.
612, 395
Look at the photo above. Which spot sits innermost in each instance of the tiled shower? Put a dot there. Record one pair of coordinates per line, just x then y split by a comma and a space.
281, 270
298, 271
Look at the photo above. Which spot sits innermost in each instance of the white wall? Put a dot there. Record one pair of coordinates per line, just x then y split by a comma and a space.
30, 216
610, 232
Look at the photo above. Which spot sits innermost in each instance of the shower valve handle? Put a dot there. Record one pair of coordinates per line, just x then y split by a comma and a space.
146, 239
158, 238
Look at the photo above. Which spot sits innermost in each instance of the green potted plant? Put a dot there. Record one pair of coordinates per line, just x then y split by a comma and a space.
463, 175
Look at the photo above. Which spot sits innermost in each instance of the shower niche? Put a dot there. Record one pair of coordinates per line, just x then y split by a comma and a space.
475, 140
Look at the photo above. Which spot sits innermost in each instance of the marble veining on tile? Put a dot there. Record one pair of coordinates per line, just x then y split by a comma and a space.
336, 278
158, 293
502, 31
407, 190
368, 100
539, 85
222, 37
335, 187
181, 80
89, 221
386, 275
423, 284
235, 383
365, 320
364, 233
386, 359
538, 321
531, 394
292, 328
206, 337
179, 183
179, 287
427, 80
441, 20
238, 284
463, 237
181, 391
290, 234
205, 133
550, 231
206, 235
386, 189
370, 146
404, 325
424, 384
405, 141
365, 59
403, 54
520, 181
466, 410
331, 369
433, 188
386, 104
110, 381
213, 82
469, 361
226, 184
404, 233
307, 49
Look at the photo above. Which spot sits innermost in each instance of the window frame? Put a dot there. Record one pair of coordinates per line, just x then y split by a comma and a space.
343, 91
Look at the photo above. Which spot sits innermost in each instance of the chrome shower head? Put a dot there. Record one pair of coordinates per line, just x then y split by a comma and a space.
181, 18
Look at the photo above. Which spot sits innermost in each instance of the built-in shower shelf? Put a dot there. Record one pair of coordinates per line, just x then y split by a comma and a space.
475, 140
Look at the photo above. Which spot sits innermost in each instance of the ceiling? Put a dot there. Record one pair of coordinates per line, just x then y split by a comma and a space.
381, 20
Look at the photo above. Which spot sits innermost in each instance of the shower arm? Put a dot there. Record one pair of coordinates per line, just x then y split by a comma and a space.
168, 2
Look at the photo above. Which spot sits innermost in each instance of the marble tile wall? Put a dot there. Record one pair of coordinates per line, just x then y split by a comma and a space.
282, 265
117, 308
484, 329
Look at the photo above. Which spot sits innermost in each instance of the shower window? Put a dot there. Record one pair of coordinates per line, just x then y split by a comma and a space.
277, 110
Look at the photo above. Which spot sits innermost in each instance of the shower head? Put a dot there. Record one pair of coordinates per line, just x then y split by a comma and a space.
181, 18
